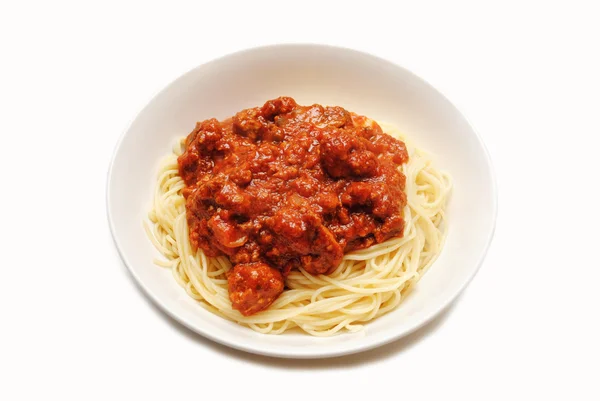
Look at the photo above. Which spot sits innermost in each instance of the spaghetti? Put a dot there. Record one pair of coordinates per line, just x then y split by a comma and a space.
367, 283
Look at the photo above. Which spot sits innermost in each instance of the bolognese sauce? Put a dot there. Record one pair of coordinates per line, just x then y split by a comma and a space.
284, 186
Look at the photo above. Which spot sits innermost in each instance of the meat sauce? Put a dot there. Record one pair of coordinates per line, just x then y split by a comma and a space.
284, 186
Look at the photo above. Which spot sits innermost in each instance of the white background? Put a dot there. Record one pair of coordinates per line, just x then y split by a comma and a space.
75, 326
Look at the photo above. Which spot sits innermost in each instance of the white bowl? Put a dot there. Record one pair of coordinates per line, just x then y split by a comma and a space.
311, 74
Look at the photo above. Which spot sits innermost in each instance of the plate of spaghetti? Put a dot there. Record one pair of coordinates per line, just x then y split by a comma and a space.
301, 201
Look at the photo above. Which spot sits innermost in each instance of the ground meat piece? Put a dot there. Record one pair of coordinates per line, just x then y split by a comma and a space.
390, 148
347, 155
248, 123
326, 252
336, 117
278, 106
253, 287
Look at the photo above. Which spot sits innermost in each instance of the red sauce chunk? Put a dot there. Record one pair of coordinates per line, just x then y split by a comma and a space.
284, 186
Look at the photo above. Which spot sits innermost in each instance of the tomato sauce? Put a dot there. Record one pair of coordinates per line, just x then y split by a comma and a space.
284, 186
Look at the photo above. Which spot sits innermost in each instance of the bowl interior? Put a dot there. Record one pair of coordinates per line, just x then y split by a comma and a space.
311, 74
